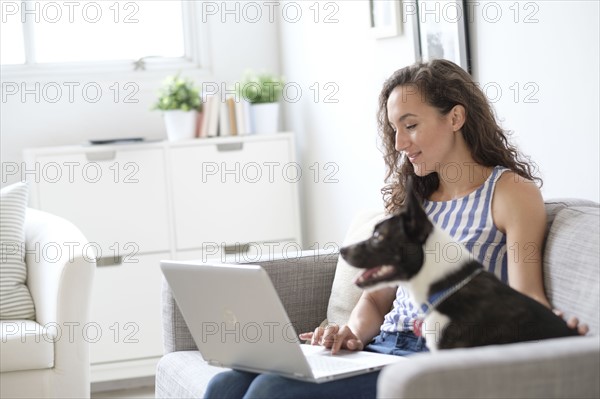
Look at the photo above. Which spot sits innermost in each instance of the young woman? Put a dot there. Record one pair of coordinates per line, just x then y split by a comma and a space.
437, 126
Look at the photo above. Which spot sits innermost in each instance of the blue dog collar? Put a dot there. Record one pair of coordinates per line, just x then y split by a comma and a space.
438, 297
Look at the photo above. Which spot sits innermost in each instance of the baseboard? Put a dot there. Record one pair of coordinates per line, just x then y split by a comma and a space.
117, 385
123, 371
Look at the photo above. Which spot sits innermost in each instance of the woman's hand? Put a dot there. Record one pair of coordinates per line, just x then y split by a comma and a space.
334, 338
573, 323
364, 323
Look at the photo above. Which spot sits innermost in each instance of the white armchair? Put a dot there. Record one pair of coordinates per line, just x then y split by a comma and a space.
49, 357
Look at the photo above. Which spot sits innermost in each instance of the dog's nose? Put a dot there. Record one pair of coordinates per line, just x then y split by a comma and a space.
344, 251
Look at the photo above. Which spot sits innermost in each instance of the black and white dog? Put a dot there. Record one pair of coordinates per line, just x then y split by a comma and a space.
464, 306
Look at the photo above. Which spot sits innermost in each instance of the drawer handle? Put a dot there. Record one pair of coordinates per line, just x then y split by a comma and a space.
236, 249
230, 147
109, 261
101, 156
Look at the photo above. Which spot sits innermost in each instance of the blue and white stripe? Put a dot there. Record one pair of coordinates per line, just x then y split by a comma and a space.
469, 221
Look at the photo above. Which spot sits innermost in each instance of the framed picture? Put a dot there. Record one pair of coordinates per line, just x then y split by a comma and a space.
385, 18
441, 31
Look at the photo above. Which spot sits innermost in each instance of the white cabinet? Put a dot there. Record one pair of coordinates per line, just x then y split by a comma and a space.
126, 310
116, 196
238, 194
140, 203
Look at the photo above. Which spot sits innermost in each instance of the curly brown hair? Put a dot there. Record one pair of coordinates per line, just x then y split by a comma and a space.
444, 85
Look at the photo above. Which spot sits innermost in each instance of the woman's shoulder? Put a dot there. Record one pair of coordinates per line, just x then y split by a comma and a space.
516, 198
513, 184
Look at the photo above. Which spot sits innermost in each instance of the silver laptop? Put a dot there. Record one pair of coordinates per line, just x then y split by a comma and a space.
237, 320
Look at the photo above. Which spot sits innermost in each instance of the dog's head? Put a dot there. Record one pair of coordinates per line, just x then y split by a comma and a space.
394, 252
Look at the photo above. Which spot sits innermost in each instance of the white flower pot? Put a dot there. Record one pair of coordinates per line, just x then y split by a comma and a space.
181, 125
265, 117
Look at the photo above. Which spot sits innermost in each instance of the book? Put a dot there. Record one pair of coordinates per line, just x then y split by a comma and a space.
233, 129
242, 114
213, 116
206, 110
224, 129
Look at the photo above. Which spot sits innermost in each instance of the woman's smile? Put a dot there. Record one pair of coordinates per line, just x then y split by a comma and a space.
412, 157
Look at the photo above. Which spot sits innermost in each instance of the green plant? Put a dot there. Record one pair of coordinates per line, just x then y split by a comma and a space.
261, 88
178, 94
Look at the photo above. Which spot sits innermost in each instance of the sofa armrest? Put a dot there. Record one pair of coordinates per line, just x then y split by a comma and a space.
556, 368
59, 273
60, 276
303, 283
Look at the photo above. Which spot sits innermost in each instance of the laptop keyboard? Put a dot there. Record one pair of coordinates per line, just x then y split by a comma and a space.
329, 364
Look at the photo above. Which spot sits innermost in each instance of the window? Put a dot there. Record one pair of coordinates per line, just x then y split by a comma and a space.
11, 42
131, 34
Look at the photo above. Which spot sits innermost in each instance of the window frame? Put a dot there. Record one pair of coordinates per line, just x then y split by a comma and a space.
195, 47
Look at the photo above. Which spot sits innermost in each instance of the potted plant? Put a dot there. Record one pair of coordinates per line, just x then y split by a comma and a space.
180, 102
263, 92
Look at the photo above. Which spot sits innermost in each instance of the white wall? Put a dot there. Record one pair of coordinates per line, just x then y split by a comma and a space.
558, 56
344, 134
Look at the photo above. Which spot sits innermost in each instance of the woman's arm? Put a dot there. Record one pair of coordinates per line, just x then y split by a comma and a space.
518, 211
364, 323
367, 316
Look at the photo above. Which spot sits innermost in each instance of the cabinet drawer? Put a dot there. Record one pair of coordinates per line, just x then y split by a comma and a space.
126, 311
252, 252
234, 195
116, 197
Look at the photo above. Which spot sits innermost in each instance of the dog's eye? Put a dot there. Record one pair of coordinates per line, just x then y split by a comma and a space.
377, 237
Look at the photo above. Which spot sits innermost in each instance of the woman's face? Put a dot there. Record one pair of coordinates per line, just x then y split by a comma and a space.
423, 134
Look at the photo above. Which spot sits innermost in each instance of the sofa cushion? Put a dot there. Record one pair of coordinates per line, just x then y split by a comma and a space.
344, 294
183, 374
15, 299
571, 271
26, 345
555, 205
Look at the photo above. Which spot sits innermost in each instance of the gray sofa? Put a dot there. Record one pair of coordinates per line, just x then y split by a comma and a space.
558, 368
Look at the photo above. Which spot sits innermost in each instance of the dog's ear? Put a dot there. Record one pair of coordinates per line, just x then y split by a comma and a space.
416, 222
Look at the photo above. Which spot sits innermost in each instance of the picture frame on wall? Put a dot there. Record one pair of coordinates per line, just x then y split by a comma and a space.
385, 16
440, 31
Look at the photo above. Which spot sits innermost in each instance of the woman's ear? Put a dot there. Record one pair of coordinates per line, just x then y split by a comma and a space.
457, 117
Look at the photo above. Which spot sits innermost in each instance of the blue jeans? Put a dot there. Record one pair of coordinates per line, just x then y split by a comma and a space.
242, 384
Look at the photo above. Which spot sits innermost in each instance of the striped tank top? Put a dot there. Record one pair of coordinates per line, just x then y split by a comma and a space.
469, 221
